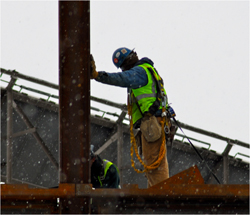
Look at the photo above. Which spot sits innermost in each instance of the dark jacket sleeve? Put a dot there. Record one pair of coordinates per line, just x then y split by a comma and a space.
133, 78
112, 179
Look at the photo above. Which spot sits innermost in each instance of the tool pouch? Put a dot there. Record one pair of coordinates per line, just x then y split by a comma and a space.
150, 128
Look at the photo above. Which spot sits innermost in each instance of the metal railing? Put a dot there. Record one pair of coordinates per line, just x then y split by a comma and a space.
122, 107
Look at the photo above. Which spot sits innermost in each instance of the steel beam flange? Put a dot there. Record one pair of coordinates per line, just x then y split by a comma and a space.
83, 189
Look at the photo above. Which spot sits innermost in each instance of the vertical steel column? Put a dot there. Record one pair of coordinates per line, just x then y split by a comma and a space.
226, 162
120, 151
225, 169
120, 144
74, 99
9, 130
9, 136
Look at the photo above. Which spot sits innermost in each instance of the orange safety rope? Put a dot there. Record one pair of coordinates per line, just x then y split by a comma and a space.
133, 147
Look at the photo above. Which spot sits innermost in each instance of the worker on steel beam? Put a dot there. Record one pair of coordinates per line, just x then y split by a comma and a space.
147, 107
104, 174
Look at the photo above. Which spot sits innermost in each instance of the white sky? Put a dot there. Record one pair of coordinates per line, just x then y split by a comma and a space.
200, 48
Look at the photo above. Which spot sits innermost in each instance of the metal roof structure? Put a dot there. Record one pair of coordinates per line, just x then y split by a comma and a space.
36, 120
36, 137
33, 158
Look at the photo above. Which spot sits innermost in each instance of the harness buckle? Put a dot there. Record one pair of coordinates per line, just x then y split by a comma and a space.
166, 129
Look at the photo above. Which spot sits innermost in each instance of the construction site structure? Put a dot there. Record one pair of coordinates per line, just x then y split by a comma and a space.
35, 128
45, 147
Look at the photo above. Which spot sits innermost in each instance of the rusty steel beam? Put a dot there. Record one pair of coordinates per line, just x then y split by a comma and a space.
182, 193
74, 95
178, 195
74, 99
178, 190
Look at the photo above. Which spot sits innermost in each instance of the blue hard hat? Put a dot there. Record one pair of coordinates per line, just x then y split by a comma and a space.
120, 55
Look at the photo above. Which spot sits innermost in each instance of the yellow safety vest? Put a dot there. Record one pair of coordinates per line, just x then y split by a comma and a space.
106, 165
144, 96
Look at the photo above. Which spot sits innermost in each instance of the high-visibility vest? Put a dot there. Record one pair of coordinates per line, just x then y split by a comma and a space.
144, 96
106, 165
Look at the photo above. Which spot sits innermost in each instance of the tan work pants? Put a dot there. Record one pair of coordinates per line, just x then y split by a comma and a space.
150, 153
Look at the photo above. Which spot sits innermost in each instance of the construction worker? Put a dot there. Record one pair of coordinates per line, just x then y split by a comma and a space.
146, 106
104, 174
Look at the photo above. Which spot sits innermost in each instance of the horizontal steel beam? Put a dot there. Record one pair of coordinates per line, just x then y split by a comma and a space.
17, 181
185, 190
17, 134
200, 197
112, 139
209, 191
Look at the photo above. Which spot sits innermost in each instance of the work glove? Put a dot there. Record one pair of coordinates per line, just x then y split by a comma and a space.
93, 72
